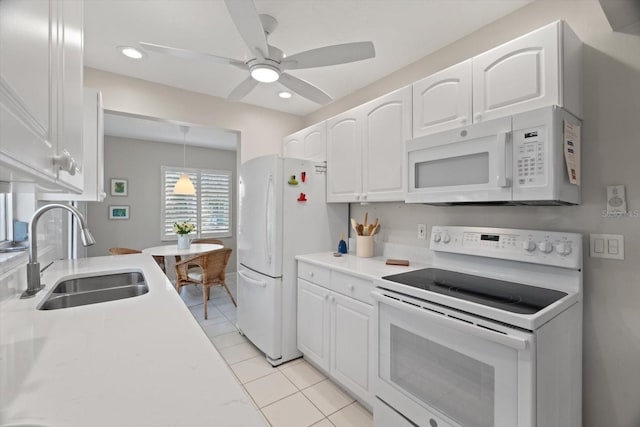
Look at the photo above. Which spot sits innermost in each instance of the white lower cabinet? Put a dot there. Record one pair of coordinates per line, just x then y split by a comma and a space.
335, 330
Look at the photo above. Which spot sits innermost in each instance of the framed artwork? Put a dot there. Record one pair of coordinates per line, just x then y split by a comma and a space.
119, 187
118, 212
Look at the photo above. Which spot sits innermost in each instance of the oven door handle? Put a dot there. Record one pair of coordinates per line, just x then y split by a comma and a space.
511, 341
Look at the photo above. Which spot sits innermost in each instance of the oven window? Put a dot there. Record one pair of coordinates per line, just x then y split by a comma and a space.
462, 170
456, 385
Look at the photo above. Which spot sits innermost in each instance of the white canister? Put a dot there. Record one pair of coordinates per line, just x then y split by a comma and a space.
364, 246
184, 242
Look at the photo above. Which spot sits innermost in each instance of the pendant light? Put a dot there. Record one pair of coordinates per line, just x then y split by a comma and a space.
184, 184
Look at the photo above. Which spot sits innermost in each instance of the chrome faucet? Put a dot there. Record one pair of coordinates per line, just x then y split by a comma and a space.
33, 268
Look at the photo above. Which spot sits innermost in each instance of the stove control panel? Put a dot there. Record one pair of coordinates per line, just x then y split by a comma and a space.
533, 246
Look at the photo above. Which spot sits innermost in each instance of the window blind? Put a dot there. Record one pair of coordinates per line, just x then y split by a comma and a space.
209, 210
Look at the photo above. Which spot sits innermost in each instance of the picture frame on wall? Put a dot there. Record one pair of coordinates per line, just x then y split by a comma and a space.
119, 187
118, 212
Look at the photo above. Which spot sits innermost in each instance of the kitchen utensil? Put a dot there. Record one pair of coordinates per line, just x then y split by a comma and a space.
354, 225
360, 230
366, 215
376, 231
403, 262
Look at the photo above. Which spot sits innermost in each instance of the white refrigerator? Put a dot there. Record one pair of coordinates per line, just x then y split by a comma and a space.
283, 213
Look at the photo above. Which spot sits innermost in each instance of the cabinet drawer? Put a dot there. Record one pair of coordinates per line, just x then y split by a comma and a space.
314, 274
352, 286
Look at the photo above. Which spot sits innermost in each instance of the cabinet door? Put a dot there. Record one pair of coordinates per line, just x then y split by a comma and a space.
442, 101
293, 146
70, 95
386, 129
344, 157
27, 131
315, 142
313, 322
351, 345
520, 75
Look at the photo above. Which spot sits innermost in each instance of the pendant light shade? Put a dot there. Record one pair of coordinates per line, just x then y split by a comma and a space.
184, 184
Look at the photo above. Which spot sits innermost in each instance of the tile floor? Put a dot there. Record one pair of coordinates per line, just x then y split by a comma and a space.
294, 394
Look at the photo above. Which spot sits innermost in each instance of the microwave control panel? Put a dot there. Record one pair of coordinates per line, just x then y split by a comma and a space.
529, 149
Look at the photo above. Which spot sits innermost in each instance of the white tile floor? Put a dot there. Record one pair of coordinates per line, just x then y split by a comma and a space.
292, 395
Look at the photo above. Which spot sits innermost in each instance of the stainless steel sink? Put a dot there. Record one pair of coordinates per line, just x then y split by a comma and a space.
95, 289
94, 283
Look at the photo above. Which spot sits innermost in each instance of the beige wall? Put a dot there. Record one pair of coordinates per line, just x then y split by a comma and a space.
261, 130
611, 353
139, 162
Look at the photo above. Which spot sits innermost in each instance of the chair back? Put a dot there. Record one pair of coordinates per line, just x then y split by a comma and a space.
123, 251
210, 241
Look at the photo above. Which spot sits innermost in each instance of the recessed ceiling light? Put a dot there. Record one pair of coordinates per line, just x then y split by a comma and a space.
284, 94
130, 52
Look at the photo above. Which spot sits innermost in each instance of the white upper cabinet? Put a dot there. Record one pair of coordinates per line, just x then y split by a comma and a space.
41, 92
538, 69
309, 143
344, 157
386, 129
365, 150
27, 132
442, 101
70, 96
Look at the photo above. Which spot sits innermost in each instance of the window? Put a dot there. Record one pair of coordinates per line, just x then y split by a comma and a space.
209, 209
6, 217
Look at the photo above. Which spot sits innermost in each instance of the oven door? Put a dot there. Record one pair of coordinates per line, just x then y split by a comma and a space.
471, 164
437, 366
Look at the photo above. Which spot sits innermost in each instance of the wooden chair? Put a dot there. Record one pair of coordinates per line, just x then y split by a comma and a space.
211, 241
212, 266
127, 251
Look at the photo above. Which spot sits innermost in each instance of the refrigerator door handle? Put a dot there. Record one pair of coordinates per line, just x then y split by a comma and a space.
269, 218
259, 283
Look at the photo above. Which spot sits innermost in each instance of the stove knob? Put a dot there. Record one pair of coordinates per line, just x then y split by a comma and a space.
446, 238
529, 245
563, 248
545, 247
436, 238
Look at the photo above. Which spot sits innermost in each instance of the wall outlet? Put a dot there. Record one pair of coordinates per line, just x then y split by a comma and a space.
422, 231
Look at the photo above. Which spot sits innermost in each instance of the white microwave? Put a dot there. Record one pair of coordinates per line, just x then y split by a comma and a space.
512, 160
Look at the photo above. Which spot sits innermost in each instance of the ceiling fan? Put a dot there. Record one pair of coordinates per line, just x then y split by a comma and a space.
268, 63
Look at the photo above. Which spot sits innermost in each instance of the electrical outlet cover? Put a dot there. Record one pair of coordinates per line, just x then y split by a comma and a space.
616, 200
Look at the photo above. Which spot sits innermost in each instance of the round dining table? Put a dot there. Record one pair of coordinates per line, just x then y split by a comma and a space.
172, 250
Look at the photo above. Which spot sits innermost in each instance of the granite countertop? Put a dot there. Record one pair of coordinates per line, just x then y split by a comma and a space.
141, 361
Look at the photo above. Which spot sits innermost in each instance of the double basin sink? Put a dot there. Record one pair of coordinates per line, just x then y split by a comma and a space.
95, 289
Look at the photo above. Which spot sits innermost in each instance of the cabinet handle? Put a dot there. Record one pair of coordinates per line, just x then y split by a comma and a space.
311, 274
333, 299
357, 197
351, 287
326, 296
463, 120
478, 116
364, 197
65, 163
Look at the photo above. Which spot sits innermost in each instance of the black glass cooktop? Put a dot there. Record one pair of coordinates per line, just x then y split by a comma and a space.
509, 296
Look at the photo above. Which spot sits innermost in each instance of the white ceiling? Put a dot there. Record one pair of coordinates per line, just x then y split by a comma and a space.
402, 31
148, 129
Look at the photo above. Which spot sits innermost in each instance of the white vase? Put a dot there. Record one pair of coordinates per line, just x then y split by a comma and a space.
183, 241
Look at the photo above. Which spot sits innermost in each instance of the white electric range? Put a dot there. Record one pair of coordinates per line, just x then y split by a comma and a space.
489, 336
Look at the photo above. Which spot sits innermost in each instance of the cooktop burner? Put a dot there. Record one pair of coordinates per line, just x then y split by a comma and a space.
508, 296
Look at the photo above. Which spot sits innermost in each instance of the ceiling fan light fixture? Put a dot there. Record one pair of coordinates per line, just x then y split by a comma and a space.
131, 52
284, 94
265, 73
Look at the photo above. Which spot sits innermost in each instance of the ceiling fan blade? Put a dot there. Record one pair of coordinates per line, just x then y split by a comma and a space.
330, 55
244, 15
242, 89
190, 54
304, 89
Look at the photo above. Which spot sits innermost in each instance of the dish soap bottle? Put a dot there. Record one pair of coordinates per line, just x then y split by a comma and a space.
342, 245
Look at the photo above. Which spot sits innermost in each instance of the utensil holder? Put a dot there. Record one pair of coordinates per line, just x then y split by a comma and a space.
364, 246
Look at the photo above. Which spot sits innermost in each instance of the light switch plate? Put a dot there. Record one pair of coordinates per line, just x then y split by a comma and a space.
607, 246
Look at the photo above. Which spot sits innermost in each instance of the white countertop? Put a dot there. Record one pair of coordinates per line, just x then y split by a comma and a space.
141, 361
367, 268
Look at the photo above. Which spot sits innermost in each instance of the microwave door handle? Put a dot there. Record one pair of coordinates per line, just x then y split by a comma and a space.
510, 341
501, 160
